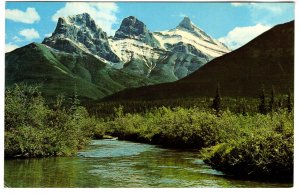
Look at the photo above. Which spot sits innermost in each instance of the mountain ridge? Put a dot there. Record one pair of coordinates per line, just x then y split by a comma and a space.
173, 58
80, 32
267, 60
116, 63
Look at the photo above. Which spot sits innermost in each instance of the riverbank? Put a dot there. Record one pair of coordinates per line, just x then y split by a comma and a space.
116, 163
251, 145
254, 146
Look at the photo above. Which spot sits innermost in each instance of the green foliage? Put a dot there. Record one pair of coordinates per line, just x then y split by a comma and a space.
238, 141
104, 109
33, 129
257, 145
263, 147
176, 127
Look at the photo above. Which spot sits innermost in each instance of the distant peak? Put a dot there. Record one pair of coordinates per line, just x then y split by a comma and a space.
131, 17
131, 26
81, 16
186, 23
79, 20
187, 19
132, 21
84, 18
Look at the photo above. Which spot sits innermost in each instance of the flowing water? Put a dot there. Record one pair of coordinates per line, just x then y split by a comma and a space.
114, 163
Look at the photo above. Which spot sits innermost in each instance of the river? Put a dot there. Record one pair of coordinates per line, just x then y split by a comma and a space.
114, 163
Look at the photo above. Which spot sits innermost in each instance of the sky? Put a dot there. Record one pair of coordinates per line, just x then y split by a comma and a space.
231, 23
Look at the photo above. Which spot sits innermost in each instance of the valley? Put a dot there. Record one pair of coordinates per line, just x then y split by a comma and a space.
171, 108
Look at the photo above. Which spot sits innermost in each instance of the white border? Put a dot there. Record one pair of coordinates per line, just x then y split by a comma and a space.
138, 191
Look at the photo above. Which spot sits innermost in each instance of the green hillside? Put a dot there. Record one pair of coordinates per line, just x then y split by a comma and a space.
62, 73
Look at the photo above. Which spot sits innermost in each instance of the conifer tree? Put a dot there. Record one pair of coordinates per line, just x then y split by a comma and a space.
216, 105
75, 102
262, 106
272, 100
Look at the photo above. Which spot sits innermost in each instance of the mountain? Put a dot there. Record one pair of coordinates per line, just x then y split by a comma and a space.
188, 38
267, 60
63, 73
79, 33
79, 54
163, 56
132, 28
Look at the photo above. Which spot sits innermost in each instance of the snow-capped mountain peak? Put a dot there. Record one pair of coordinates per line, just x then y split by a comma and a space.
83, 20
166, 56
189, 35
132, 28
79, 33
186, 23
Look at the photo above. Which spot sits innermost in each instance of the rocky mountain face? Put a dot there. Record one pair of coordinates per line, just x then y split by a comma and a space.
164, 56
188, 38
79, 33
132, 28
78, 51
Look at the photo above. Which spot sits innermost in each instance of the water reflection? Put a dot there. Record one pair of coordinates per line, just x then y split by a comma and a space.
109, 163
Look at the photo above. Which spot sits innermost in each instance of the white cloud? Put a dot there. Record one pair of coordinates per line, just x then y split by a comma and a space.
10, 47
242, 35
17, 39
265, 13
103, 13
29, 16
30, 34
48, 35
272, 7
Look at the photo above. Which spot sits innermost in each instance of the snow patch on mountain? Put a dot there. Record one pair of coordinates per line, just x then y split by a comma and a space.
126, 49
80, 33
188, 33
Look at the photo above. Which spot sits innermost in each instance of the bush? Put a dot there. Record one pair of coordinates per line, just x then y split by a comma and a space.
263, 150
257, 145
32, 129
178, 127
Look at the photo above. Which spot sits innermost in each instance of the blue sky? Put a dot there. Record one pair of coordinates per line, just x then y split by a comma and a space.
232, 23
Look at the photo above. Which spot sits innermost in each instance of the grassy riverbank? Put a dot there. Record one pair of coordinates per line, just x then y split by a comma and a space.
257, 145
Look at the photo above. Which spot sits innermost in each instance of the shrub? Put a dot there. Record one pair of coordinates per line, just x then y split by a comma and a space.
257, 145
32, 129
263, 150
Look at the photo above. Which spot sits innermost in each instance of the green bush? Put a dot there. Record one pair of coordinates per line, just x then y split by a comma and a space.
262, 148
33, 129
257, 145
178, 127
